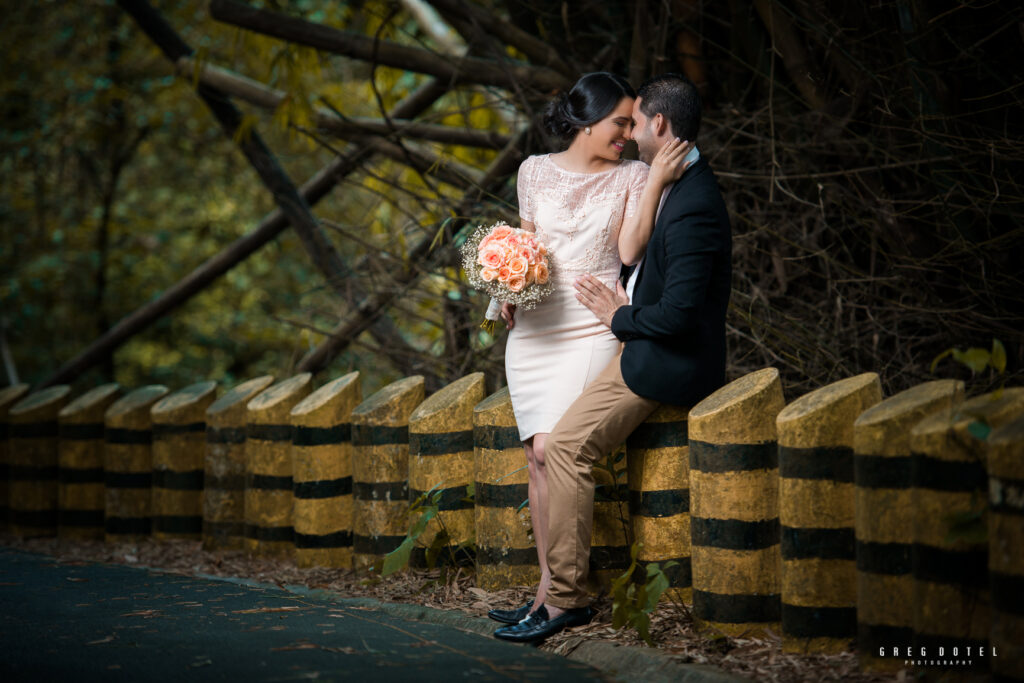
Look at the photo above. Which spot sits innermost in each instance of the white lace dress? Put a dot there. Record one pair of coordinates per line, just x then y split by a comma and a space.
559, 347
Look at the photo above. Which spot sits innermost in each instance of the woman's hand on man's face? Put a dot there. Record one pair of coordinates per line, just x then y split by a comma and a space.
667, 166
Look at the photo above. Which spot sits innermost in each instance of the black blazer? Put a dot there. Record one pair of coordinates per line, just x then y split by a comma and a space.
674, 332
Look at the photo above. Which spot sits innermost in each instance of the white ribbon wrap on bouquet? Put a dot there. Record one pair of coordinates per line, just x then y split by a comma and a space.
493, 310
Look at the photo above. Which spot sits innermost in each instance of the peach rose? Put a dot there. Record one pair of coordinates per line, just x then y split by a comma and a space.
516, 283
531, 275
510, 253
504, 274
491, 257
529, 254
518, 265
484, 242
488, 274
542, 273
501, 232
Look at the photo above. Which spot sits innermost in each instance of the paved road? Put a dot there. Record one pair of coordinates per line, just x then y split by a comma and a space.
85, 622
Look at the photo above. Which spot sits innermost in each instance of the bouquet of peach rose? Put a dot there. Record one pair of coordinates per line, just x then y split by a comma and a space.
508, 263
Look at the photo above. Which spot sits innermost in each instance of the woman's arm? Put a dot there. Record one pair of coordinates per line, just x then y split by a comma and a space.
636, 229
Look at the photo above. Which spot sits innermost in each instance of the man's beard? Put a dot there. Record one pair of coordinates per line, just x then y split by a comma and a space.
646, 147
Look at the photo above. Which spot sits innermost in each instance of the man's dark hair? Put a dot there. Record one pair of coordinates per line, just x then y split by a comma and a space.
675, 97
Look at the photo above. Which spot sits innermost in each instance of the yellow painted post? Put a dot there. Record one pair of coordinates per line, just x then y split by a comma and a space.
179, 456
33, 468
506, 554
268, 467
128, 464
81, 495
1006, 550
322, 474
734, 512
380, 469
8, 397
658, 456
441, 458
224, 470
951, 573
884, 518
609, 538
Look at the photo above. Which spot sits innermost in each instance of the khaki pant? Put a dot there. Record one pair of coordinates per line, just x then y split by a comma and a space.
598, 421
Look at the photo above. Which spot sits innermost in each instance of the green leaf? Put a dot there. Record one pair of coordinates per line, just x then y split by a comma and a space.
979, 430
935, 361
397, 559
974, 358
998, 356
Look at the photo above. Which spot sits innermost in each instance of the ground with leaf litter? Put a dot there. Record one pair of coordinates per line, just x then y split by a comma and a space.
671, 626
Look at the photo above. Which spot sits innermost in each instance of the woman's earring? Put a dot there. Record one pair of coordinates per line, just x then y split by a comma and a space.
587, 130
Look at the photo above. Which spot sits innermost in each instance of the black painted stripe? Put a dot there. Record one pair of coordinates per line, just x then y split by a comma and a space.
322, 436
127, 525
825, 463
942, 475
501, 495
496, 438
276, 534
32, 473
1007, 593
266, 432
163, 431
958, 568
893, 559
80, 518
880, 472
736, 609
225, 482
609, 557
129, 437
441, 444
178, 524
325, 488
337, 539
229, 435
453, 498
665, 503
379, 435
731, 534
659, 435
872, 637
82, 432
266, 482
719, 458
824, 544
463, 557
223, 530
819, 622
1006, 496
679, 576
511, 557
34, 430
80, 475
375, 545
39, 519
396, 491
127, 480
251, 532
178, 481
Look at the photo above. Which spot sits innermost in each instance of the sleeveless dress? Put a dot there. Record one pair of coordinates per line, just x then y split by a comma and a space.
556, 349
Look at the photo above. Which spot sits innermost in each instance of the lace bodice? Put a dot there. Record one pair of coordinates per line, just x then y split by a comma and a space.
578, 215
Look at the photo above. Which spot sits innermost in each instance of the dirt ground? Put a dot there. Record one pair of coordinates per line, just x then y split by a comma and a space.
671, 626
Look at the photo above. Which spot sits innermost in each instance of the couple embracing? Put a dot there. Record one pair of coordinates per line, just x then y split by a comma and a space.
594, 359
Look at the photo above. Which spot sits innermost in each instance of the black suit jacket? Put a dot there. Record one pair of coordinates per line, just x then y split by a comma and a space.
674, 331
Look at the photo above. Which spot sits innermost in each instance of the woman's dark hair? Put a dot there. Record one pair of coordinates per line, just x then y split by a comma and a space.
592, 98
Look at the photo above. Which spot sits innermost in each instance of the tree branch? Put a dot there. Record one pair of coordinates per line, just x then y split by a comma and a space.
786, 41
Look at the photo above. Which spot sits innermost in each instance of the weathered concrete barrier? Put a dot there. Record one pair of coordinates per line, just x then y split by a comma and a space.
179, 456
441, 455
268, 467
128, 464
816, 513
658, 457
506, 555
380, 469
8, 397
884, 517
81, 495
322, 474
734, 510
609, 538
951, 575
33, 461
1006, 549
224, 468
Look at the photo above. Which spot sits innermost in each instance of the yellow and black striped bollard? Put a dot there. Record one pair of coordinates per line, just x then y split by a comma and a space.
816, 498
884, 522
224, 469
506, 554
610, 536
322, 474
268, 467
81, 495
179, 455
951, 569
1006, 550
734, 513
128, 465
8, 397
380, 469
33, 469
658, 456
441, 458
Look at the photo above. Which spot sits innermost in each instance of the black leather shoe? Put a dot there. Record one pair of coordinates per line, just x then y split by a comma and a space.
539, 625
511, 616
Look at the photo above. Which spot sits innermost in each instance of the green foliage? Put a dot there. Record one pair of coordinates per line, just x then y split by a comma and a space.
632, 600
422, 511
977, 359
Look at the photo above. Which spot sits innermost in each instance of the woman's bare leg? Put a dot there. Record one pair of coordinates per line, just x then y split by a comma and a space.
538, 492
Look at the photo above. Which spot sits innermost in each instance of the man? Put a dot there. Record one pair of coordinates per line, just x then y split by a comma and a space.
673, 352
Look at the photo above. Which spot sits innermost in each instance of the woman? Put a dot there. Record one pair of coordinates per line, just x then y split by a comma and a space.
583, 203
